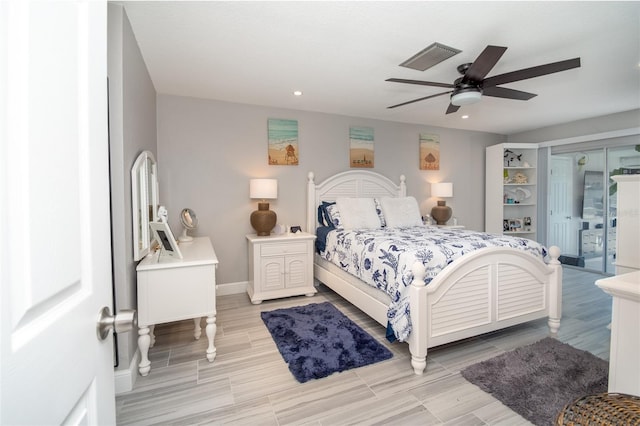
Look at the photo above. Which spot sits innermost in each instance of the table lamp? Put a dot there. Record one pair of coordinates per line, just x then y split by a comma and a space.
263, 220
441, 212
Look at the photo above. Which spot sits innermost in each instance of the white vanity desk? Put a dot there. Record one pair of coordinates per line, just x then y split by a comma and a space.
172, 289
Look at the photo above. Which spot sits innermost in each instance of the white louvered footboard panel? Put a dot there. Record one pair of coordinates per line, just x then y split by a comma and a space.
519, 293
465, 305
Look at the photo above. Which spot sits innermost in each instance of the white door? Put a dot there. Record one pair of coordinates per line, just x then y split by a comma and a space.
561, 225
54, 214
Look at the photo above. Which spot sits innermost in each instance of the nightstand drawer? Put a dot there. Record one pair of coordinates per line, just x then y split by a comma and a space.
274, 249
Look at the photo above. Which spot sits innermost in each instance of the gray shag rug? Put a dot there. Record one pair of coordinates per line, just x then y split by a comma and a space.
538, 380
317, 340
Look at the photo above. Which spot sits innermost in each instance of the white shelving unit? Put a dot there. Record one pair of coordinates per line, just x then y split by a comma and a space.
512, 190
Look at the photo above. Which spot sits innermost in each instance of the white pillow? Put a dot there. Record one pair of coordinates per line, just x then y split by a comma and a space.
358, 213
401, 212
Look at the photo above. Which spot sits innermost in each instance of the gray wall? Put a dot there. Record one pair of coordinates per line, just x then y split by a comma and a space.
208, 151
592, 126
132, 129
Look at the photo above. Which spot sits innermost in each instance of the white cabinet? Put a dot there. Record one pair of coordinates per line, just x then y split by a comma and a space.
280, 266
627, 223
171, 289
511, 189
624, 369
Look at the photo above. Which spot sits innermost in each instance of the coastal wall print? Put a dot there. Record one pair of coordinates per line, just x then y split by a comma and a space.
283, 142
429, 152
361, 147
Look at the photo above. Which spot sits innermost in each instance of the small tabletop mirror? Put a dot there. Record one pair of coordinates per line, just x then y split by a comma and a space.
144, 202
189, 222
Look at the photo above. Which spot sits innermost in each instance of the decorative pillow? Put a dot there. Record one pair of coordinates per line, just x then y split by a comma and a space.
401, 212
358, 213
383, 223
333, 215
323, 216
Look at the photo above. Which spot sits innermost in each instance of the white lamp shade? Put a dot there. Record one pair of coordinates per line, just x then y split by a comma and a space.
466, 98
442, 189
263, 188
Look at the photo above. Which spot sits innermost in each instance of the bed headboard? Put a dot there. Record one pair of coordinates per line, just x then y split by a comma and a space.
353, 183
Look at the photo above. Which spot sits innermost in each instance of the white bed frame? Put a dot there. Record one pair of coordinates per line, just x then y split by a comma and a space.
483, 291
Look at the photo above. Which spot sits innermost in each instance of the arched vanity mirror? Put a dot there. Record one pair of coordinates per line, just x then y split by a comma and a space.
144, 202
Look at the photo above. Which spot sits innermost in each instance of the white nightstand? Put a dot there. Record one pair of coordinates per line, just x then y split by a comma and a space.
451, 226
280, 266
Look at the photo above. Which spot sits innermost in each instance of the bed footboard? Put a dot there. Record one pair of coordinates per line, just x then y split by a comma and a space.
482, 292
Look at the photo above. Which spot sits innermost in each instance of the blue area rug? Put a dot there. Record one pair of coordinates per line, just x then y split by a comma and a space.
317, 340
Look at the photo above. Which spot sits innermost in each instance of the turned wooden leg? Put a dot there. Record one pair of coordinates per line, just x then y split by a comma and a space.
143, 344
211, 332
418, 364
197, 332
152, 335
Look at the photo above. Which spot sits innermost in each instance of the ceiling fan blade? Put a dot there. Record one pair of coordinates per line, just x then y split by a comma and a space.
503, 92
452, 108
420, 82
532, 72
419, 99
484, 63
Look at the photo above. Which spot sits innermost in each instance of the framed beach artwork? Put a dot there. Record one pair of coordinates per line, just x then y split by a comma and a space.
429, 152
283, 142
361, 147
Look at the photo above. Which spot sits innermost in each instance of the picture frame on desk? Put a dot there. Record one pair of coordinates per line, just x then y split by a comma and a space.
163, 235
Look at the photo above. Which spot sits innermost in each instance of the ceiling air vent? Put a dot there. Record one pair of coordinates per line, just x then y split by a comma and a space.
430, 56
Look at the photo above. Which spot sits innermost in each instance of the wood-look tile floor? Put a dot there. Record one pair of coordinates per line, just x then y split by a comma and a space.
249, 383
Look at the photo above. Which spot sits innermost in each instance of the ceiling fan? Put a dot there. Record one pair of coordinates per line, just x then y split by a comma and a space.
473, 85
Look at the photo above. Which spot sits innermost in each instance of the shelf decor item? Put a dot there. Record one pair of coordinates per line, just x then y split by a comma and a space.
441, 212
263, 220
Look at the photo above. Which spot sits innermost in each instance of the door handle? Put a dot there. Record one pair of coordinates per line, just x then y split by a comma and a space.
122, 322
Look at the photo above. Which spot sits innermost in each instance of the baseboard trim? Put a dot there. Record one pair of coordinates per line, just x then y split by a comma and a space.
126, 378
231, 288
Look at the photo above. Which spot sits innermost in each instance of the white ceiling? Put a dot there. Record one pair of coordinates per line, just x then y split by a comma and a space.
340, 53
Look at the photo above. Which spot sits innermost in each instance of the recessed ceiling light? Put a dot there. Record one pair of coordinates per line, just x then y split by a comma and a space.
464, 117
297, 93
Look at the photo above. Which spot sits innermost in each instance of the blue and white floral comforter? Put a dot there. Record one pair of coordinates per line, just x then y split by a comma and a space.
383, 258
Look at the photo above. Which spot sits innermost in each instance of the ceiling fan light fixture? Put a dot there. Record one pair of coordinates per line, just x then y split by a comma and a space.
466, 97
